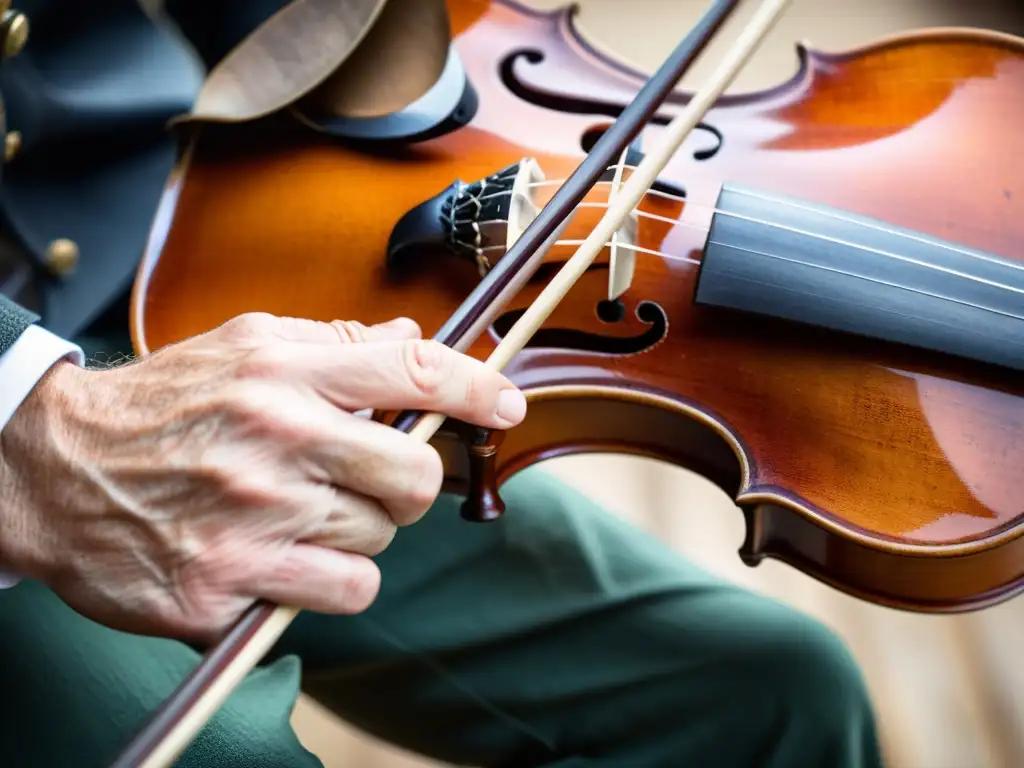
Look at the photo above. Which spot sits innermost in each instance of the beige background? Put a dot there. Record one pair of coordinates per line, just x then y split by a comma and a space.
949, 690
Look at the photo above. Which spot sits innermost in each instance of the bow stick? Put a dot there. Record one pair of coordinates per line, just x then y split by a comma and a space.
174, 726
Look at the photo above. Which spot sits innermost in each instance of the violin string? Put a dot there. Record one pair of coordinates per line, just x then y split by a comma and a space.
838, 241
888, 229
702, 228
628, 246
877, 281
696, 262
653, 192
827, 238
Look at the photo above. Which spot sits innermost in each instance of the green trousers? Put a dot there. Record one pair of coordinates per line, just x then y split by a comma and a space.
559, 636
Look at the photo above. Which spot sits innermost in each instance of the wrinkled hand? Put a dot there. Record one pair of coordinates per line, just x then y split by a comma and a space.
164, 496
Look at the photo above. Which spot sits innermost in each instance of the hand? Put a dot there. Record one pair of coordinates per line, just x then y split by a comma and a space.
164, 496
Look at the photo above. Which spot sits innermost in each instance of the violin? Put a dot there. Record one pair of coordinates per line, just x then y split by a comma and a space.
817, 301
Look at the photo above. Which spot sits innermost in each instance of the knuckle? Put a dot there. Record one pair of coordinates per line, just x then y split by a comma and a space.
431, 474
266, 361
405, 326
249, 401
358, 589
382, 533
231, 483
249, 325
424, 476
477, 393
425, 362
258, 410
349, 331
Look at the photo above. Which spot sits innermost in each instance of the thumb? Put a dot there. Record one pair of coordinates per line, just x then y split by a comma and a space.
260, 327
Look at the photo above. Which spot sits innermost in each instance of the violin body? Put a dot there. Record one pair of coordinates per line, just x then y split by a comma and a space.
889, 472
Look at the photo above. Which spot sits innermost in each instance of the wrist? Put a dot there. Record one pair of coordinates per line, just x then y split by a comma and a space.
33, 447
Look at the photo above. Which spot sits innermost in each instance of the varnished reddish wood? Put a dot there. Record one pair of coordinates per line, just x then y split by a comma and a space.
890, 474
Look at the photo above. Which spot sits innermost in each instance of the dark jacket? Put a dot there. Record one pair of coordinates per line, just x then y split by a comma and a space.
90, 96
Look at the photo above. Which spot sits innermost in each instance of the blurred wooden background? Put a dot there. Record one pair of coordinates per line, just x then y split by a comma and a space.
949, 691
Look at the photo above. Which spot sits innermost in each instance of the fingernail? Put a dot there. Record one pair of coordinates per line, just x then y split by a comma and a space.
511, 405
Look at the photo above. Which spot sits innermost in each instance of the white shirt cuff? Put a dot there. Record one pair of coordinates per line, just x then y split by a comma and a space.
21, 368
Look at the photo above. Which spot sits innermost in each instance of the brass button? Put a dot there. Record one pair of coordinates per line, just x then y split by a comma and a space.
12, 143
62, 256
14, 28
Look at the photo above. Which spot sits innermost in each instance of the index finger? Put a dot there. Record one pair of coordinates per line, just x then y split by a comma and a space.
415, 374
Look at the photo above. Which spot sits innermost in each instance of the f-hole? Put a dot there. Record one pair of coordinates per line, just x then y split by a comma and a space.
611, 311
649, 313
577, 105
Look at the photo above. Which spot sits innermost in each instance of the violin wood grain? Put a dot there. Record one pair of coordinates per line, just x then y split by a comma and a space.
890, 473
